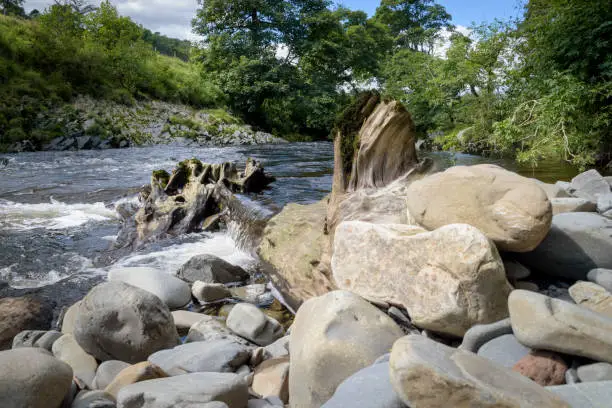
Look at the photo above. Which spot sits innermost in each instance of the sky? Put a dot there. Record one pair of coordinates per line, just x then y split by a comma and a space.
173, 17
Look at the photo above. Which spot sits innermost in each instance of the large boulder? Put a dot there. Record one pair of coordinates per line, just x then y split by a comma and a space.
511, 210
22, 313
429, 374
292, 252
189, 390
117, 321
32, 378
589, 185
576, 244
545, 323
448, 280
172, 291
211, 269
333, 337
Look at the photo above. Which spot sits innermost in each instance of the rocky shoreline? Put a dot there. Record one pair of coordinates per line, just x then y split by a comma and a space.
470, 287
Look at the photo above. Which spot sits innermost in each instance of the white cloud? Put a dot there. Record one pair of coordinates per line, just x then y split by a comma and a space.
169, 17
444, 43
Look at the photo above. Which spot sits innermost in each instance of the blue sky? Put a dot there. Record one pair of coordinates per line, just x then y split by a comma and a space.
464, 12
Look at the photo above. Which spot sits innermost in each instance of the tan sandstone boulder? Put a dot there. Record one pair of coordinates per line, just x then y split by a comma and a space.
449, 279
511, 210
592, 296
333, 337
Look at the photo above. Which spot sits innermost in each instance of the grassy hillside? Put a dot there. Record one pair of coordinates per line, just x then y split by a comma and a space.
46, 62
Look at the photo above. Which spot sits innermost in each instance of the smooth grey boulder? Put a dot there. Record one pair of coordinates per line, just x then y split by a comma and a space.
595, 372
589, 185
172, 291
576, 244
117, 321
209, 292
585, 395
106, 373
36, 338
604, 203
480, 334
572, 204
280, 348
83, 365
504, 350
211, 328
544, 323
211, 269
602, 277
367, 388
32, 378
425, 373
220, 356
188, 391
250, 322
94, 399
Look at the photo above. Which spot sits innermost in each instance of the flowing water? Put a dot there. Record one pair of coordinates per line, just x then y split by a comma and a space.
58, 218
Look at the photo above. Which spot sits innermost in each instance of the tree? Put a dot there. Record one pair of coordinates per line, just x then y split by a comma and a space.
12, 7
80, 6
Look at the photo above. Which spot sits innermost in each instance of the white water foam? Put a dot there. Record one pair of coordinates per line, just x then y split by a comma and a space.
53, 216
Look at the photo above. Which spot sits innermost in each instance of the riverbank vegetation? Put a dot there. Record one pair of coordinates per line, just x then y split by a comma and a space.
534, 88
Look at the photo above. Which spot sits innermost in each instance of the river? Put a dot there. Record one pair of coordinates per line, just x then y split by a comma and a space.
58, 218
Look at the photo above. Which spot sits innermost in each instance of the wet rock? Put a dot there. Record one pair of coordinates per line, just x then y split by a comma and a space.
221, 356
23, 313
106, 373
32, 378
144, 371
36, 338
209, 292
256, 294
429, 374
94, 399
83, 365
187, 390
585, 395
572, 204
211, 328
504, 350
593, 297
211, 269
590, 185
577, 243
385, 262
543, 367
480, 334
333, 337
250, 322
595, 372
172, 291
271, 378
511, 210
602, 277
117, 321
544, 323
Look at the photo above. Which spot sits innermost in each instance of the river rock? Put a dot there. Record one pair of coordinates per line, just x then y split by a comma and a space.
589, 185
83, 365
117, 321
133, 374
604, 204
271, 378
279, 348
106, 373
210, 329
221, 356
187, 390
270, 402
211, 269
93, 399
257, 294
32, 378
448, 280
595, 372
593, 297
577, 243
572, 204
209, 292
511, 210
36, 338
480, 334
333, 337
429, 374
543, 367
172, 291
585, 395
184, 319
250, 322
516, 271
541, 322
552, 190
602, 277
291, 251
22, 313
370, 386
69, 318
504, 350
